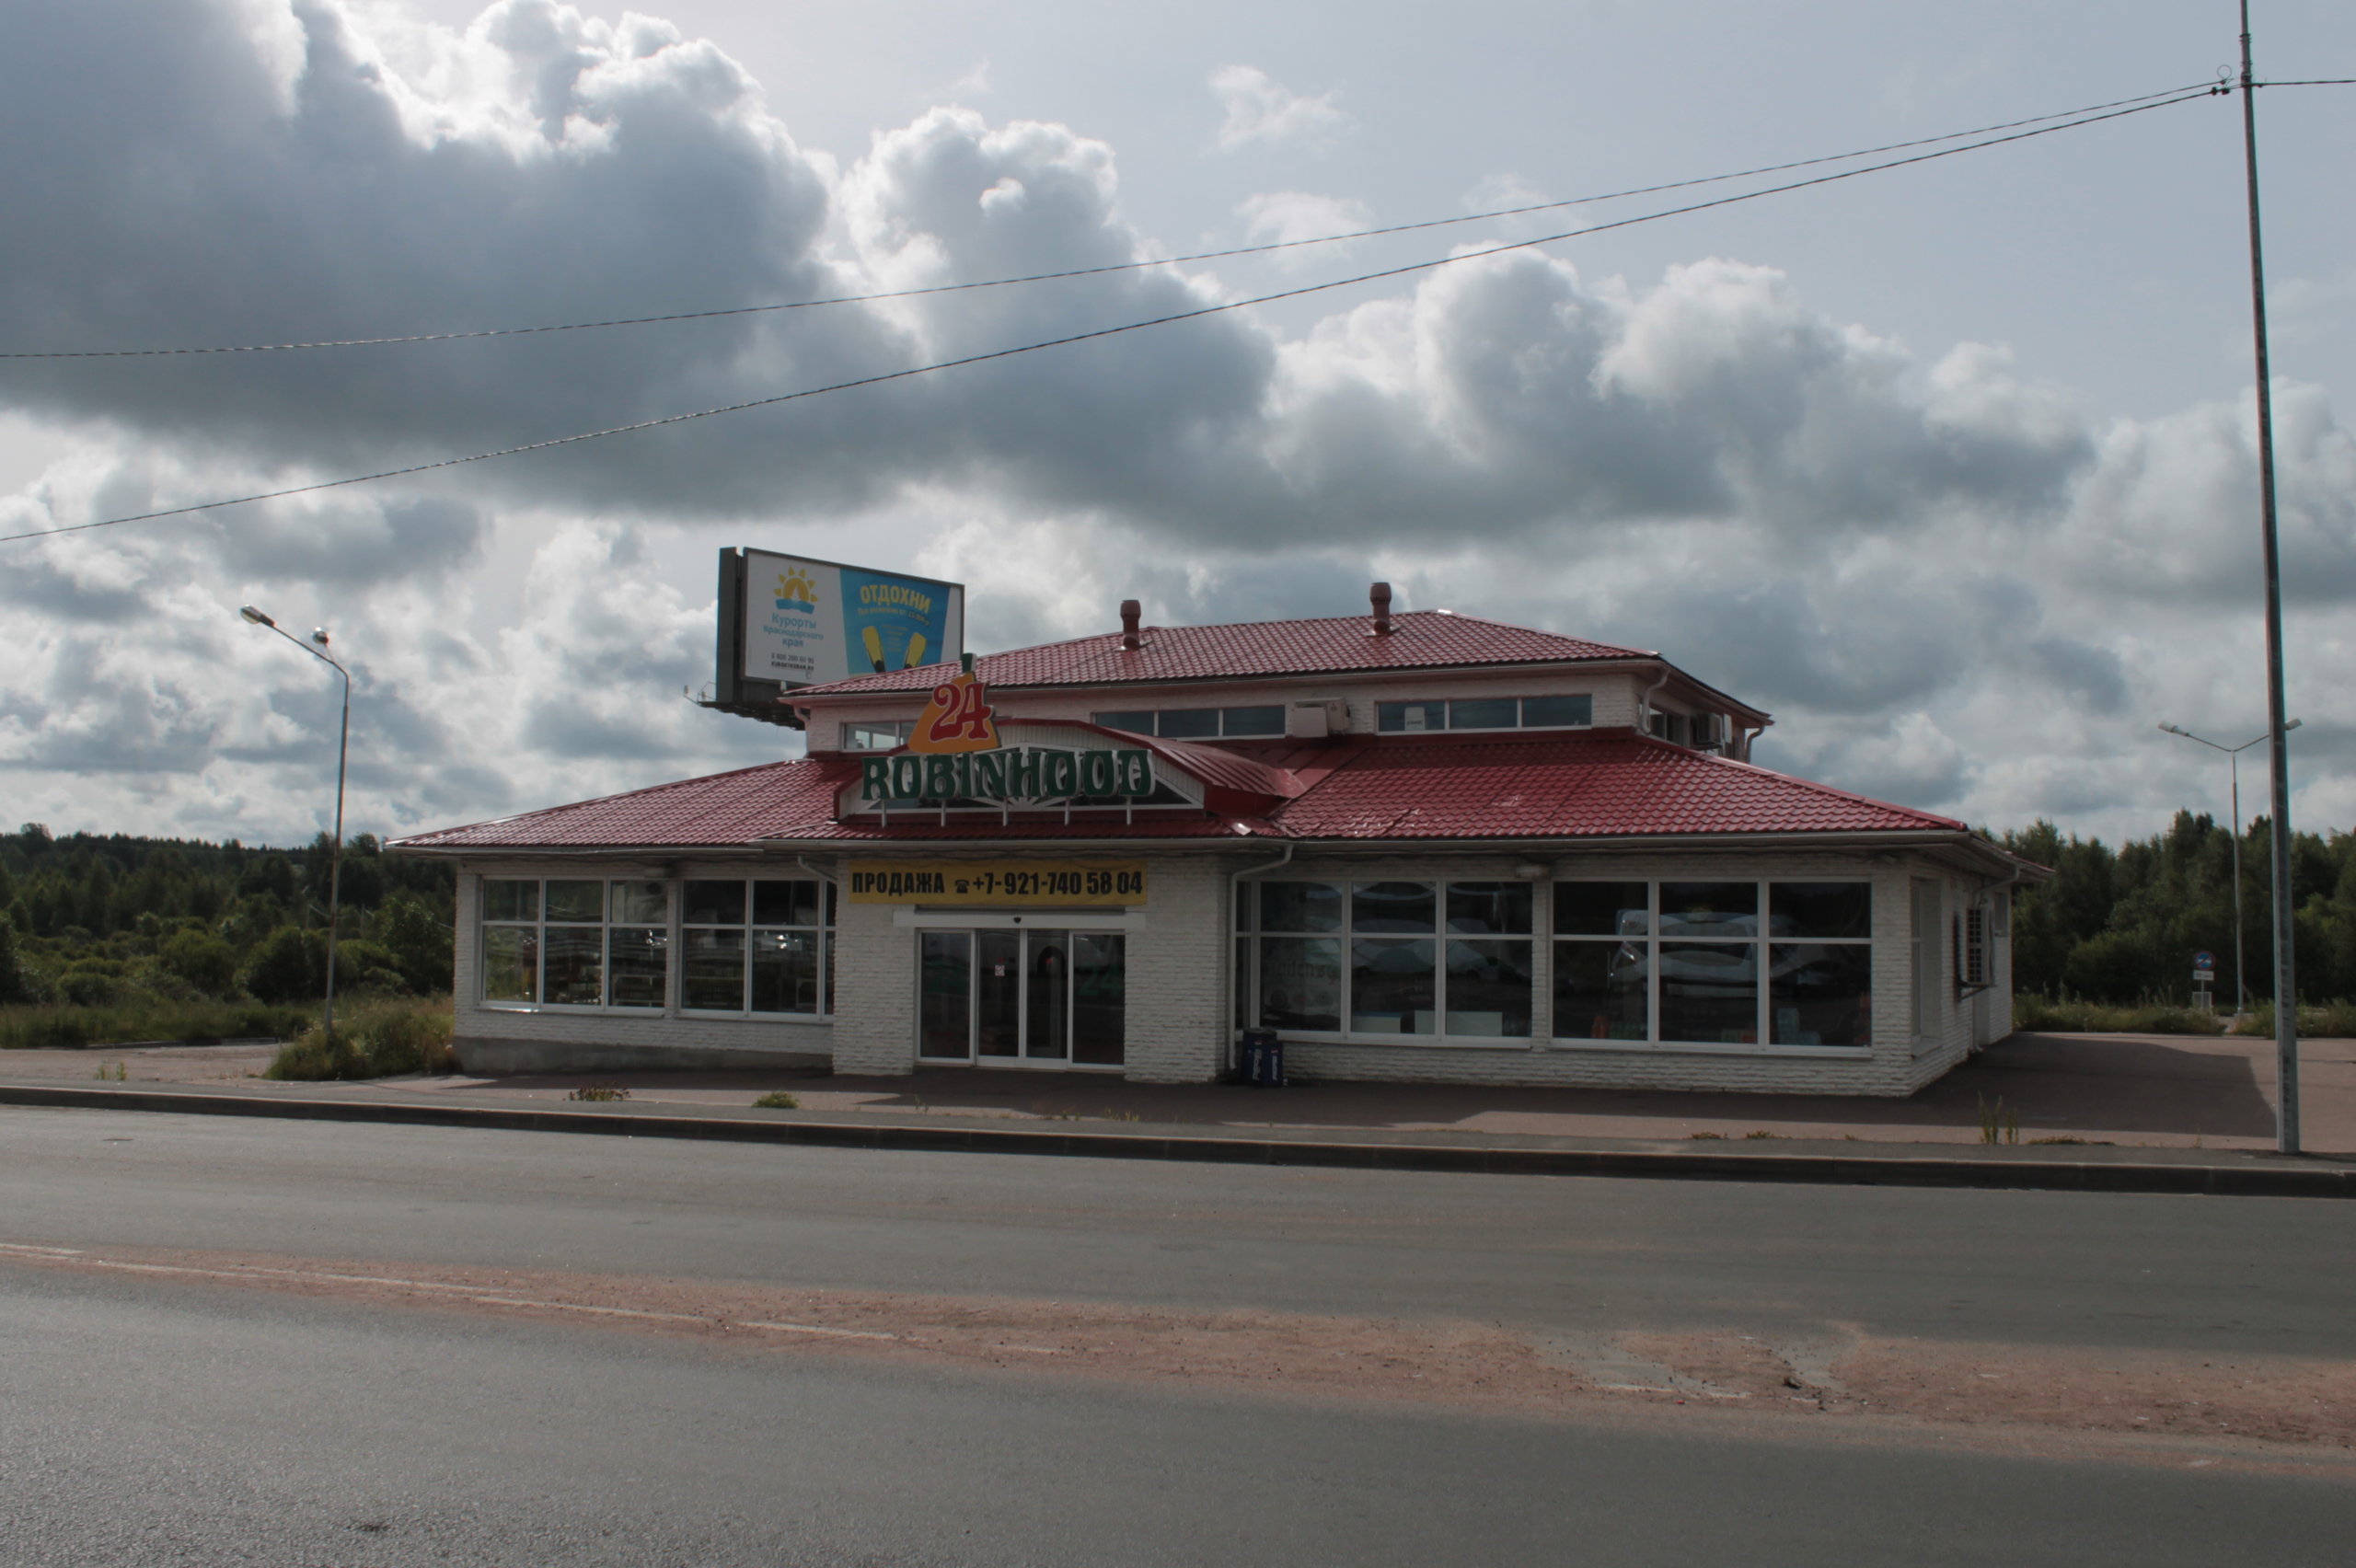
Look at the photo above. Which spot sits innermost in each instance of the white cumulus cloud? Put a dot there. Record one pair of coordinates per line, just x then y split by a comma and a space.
1952, 583
1256, 107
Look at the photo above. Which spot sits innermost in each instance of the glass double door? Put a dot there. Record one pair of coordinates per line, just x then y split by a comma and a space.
1041, 998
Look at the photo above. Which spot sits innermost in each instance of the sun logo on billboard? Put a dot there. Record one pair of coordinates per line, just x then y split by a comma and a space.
958, 719
796, 592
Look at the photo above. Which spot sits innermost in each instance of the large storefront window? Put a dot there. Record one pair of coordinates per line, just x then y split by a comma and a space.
1407, 958
1678, 963
575, 942
756, 945
1602, 961
749, 945
1821, 986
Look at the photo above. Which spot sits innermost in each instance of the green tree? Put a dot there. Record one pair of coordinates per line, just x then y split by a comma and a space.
270, 872
289, 965
418, 939
362, 965
256, 915
204, 961
14, 986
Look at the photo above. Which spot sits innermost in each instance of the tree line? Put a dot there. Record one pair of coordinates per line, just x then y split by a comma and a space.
84, 919
88, 920
2121, 924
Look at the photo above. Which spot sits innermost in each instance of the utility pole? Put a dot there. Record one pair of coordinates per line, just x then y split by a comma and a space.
2286, 990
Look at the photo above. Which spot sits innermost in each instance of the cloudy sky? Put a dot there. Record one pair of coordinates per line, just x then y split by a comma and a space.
1950, 467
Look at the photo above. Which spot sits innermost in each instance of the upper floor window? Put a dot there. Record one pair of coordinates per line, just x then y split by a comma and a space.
877, 734
1702, 731
1486, 713
1199, 723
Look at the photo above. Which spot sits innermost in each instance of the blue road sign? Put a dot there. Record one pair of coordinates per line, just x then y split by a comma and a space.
2203, 961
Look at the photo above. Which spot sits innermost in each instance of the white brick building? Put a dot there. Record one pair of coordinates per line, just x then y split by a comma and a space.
1424, 847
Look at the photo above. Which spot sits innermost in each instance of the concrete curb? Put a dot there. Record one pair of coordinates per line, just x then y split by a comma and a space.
2285, 1180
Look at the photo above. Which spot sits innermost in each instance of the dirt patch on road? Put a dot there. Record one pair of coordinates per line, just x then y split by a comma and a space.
2180, 1406
2272, 1400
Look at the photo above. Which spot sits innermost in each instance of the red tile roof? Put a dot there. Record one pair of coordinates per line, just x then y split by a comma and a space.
734, 809
1421, 639
1606, 784
1598, 785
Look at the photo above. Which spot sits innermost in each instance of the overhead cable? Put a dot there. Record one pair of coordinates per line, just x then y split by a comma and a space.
2145, 99
910, 371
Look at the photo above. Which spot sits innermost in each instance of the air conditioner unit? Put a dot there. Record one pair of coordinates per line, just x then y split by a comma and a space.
1317, 718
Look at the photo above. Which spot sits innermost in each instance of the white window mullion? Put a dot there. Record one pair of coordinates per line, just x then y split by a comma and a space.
1762, 968
675, 946
1652, 964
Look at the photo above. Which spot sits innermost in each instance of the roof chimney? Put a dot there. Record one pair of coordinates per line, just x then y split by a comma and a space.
1380, 595
1130, 612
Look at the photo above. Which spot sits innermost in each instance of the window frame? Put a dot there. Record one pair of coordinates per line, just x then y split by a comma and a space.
1762, 938
675, 928
1926, 910
901, 729
1103, 721
824, 933
1250, 934
1449, 726
605, 925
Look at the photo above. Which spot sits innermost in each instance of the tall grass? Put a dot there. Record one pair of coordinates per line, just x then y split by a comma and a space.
2071, 1015
373, 1040
2331, 1021
195, 1021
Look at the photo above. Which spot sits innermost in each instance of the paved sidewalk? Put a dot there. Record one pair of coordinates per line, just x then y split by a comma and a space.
2150, 1092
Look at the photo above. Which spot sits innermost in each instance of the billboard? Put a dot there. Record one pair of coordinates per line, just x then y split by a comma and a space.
787, 620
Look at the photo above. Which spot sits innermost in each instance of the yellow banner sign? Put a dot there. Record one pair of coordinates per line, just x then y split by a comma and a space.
1013, 883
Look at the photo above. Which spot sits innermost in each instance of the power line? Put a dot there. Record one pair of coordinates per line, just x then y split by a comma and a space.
2187, 95
2144, 99
2312, 82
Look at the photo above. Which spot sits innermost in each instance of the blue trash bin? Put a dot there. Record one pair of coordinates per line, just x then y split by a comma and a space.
1260, 1056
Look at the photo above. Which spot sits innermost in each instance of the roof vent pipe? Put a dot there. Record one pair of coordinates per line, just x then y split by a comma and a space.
1131, 612
1380, 596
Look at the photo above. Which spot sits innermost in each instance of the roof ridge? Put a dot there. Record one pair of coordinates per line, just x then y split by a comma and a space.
1533, 631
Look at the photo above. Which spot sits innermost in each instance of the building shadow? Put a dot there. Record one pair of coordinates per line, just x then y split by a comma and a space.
2075, 1084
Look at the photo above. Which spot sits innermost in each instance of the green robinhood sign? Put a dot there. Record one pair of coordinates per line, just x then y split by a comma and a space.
1011, 776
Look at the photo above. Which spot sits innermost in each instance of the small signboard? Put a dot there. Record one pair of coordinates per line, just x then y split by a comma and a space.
2204, 960
1014, 883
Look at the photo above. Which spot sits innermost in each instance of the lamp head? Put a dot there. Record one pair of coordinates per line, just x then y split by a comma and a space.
2293, 725
255, 616
2171, 730
319, 635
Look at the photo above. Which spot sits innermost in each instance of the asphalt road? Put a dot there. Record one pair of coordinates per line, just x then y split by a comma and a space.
150, 1420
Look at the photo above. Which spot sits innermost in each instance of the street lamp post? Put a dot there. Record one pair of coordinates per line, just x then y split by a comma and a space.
2233, 761
2286, 980
342, 751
